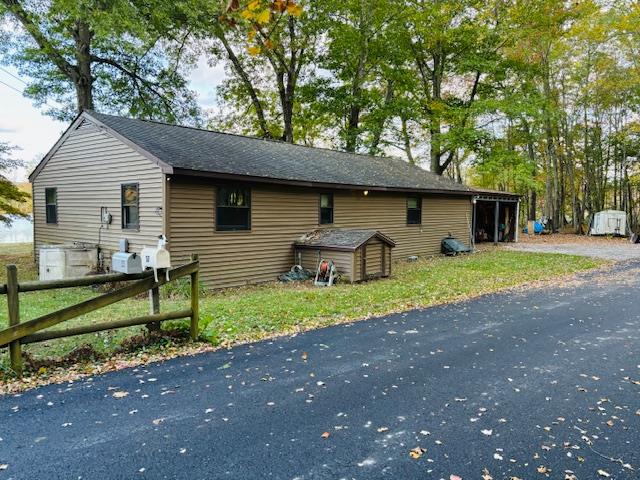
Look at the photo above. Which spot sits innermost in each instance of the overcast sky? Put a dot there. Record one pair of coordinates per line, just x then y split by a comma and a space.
23, 125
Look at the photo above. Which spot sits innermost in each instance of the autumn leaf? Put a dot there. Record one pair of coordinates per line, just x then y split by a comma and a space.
295, 10
253, 5
486, 475
263, 17
454, 477
604, 473
305, 355
383, 429
120, 394
325, 435
247, 15
543, 469
3, 466
254, 50
417, 452
488, 433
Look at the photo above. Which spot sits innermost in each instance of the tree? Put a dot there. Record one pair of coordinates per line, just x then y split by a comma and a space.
454, 44
267, 46
10, 195
117, 56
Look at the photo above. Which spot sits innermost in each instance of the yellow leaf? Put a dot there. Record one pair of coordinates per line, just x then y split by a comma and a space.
254, 50
263, 17
295, 10
417, 452
247, 15
253, 5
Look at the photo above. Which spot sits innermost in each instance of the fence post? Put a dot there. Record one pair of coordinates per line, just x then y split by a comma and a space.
195, 300
13, 307
154, 308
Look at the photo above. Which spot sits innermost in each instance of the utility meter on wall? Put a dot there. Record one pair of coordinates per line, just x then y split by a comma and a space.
105, 216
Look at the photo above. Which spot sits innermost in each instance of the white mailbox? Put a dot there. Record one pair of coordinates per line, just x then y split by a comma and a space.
126, 262
157, 258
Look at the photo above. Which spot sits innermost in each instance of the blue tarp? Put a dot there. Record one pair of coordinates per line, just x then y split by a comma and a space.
537, 228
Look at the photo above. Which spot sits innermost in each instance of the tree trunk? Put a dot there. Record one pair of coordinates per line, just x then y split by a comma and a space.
84, 81
353, 119
246, 82
435, 127
379, 127
407, 141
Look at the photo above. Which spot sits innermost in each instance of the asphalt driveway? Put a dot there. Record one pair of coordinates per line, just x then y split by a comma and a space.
527, 385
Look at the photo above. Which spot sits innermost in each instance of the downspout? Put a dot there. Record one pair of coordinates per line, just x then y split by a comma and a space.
474, 203
495, 223
517, 225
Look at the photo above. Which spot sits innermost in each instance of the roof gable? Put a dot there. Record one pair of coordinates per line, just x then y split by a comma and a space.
83, 120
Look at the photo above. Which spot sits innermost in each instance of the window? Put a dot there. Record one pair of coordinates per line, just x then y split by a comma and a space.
130, 206
326, 208
51, 201
414, 211
233, 209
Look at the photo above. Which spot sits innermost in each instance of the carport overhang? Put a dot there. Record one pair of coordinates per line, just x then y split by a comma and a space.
496, 198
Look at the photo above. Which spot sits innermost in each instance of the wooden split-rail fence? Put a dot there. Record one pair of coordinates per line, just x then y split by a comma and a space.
19, 333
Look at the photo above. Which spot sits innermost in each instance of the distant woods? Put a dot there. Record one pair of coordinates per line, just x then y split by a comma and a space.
538, 97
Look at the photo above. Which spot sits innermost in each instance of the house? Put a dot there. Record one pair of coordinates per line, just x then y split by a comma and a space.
239, 202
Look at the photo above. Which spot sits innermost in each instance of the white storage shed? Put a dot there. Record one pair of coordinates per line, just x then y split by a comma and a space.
609, 222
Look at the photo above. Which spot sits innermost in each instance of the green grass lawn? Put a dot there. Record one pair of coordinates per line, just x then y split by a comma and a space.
251, 313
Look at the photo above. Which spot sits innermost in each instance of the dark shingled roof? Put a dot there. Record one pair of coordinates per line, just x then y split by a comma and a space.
189, 150
342, 238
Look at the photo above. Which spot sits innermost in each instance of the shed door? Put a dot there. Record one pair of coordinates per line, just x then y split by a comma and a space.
374, 258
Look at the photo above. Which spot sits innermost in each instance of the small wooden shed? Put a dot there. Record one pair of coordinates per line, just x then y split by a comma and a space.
357, 254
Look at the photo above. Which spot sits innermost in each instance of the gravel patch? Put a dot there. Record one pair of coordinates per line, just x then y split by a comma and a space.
618, 251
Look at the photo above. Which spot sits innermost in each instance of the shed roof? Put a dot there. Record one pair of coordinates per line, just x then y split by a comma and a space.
193, 151
341, 238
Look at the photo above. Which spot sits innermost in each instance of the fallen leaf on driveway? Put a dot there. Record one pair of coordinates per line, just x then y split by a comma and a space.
488, 433
325, 435
454, 477
486, 475
383, 429
543, 469
604, 473
120, 394
417, 452
3, 466
158, 421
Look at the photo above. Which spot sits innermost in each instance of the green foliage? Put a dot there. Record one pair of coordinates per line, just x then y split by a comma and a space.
11, 196
117, 56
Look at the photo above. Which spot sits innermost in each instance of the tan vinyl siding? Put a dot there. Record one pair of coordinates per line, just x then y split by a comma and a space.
88, 170
281, 214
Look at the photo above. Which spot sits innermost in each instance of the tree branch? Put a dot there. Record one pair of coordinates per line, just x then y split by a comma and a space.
30, 25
